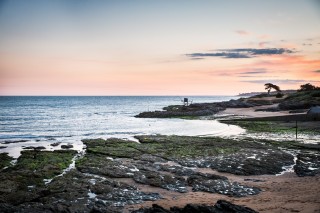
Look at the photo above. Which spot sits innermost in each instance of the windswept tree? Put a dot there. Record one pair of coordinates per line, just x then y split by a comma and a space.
270, 86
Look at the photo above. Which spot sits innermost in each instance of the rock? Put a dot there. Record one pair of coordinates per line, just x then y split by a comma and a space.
56, 144
219, 184
16, 141
5, 160
67, 146
3, 147
253, 180
165, 181
34, 147
307, 164
178, 170
101, 165
246, 162
220, 207
202, 109
298, 111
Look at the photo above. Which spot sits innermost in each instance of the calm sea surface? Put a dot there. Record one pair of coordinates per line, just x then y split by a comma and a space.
41, 121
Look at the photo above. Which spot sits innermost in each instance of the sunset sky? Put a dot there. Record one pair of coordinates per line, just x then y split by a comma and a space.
157, 47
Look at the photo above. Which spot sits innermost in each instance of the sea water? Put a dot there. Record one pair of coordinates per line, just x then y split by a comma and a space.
42, 121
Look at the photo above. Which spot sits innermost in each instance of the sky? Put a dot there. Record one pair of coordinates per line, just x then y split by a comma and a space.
158, 47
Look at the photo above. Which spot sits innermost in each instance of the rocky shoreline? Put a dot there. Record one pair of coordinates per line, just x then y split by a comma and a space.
295, 102
159, 173
110, 175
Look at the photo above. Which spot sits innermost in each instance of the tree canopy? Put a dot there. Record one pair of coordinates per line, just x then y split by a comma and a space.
308, 87
270, 86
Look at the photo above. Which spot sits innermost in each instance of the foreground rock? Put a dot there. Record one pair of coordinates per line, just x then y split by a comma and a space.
219, 207
225, 155
308, 164
221, 185
104, 179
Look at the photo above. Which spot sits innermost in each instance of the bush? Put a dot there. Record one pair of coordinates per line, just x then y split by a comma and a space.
279, 95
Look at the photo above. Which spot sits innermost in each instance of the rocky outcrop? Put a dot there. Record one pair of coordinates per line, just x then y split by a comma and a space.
301, 100
197, 109
220, 207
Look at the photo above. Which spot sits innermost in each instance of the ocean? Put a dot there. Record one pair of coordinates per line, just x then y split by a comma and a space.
42, 121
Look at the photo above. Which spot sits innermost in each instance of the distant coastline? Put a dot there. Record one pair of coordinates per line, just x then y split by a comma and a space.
272, 93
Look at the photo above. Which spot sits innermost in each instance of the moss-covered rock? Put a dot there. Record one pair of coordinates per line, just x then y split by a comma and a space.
5, 160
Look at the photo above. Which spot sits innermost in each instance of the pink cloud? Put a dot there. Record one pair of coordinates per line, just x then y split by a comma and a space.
242, 32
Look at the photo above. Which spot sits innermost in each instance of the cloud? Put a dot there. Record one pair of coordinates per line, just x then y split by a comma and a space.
262, 44
218, 54
317, 71
242, 32
242, 53
253, 72
281, 81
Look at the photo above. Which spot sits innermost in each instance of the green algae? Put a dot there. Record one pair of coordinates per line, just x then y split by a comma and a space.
5, 160
44, 162
260, 126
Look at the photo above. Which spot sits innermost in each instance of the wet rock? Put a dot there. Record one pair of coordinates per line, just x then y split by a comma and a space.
55, 144
67, 146
34, 147
165, 181
113, 147
219, 184
220, 207
246, 162
307, 164
7, 208
150, 158
16, 141
253, 180
175, 169
102, 193
102, 165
